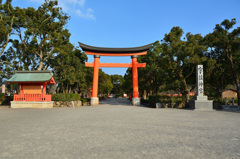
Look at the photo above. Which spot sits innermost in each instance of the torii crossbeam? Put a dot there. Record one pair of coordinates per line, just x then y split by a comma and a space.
134, 52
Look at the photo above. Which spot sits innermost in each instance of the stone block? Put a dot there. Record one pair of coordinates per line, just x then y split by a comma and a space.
201, 98
79, 103
203, 105
28, 104
136, 101
94, 101
158, 105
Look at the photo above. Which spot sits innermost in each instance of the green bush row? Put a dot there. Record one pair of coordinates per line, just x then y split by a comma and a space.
153, 99
66, 97
144, 101
5, 100
84, 100
118, 95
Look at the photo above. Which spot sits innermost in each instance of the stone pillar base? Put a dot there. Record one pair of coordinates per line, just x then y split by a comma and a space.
136, 101
94, 101
28, 104
203, 105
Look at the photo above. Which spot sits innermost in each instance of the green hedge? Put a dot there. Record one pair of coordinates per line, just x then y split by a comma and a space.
118, 95
153, 99
66, 97
84, 100
144, 101
5, 100
2, 98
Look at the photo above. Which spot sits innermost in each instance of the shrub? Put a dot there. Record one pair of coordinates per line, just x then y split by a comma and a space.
144, 101
66, 97
2, 98
118, 95
5, 100
84, 100
164, 99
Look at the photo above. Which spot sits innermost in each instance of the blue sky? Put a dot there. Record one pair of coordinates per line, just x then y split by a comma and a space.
131, 23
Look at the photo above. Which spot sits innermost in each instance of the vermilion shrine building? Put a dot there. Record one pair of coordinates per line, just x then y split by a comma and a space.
32, 89
134, 52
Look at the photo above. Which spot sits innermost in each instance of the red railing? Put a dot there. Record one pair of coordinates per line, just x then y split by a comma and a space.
32, 97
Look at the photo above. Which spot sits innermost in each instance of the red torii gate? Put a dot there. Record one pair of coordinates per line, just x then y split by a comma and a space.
134, 52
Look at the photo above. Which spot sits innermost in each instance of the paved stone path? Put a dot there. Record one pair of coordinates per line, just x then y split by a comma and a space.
115, 129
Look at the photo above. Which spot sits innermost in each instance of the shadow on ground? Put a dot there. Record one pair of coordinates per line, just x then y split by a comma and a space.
116, 101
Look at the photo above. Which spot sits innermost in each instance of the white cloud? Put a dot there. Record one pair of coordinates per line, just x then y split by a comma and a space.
37, 1
89, 14
76, 7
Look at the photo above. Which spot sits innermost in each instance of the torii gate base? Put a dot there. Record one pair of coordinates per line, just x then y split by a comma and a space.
99, 51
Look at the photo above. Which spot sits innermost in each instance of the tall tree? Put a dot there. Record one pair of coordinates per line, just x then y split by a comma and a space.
42, 32
152, 76
181, 58
226, 46
7, 19
117, 81
104, 84
69, 69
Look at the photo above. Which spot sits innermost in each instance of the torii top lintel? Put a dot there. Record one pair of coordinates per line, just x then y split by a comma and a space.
103, 51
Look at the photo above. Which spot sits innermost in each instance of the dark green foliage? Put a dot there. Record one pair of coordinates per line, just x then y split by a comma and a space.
105, 85
69, 69
224, 49
118, 95
2, 97
66, 97
144, 101
117, 81
5, 100
85, 100
164, 99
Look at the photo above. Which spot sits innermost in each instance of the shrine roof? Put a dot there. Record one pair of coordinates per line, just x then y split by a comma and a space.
105, 51
31, 76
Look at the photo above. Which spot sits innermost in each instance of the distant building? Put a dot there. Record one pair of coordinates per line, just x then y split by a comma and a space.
229, 93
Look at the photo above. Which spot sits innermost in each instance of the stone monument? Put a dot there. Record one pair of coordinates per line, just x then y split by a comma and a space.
201, 102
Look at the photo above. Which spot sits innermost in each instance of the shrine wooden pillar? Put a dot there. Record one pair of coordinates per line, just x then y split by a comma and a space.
135, 76
94, 97
21, 89
44, 89
135, 98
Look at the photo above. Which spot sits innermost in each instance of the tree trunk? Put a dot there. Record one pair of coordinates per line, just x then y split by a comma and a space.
186, 91
41, 61
40, 66
66, 91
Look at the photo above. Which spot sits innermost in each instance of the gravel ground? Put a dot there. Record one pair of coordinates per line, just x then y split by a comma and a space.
114, 129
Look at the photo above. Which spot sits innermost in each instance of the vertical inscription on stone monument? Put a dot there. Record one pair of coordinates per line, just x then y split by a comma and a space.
200, 84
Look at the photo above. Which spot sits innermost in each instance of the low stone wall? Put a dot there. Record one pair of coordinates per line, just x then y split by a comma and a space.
29, 104
67, 104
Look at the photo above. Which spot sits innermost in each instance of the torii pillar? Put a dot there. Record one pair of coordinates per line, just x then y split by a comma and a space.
100, 51
94, 97
135, 99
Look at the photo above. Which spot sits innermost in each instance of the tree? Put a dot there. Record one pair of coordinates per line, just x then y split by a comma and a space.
117, 81
7, 19
153, 75
181, 58
226, 47
41, 33
217, 72
127, 85
69, 69
104, 84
